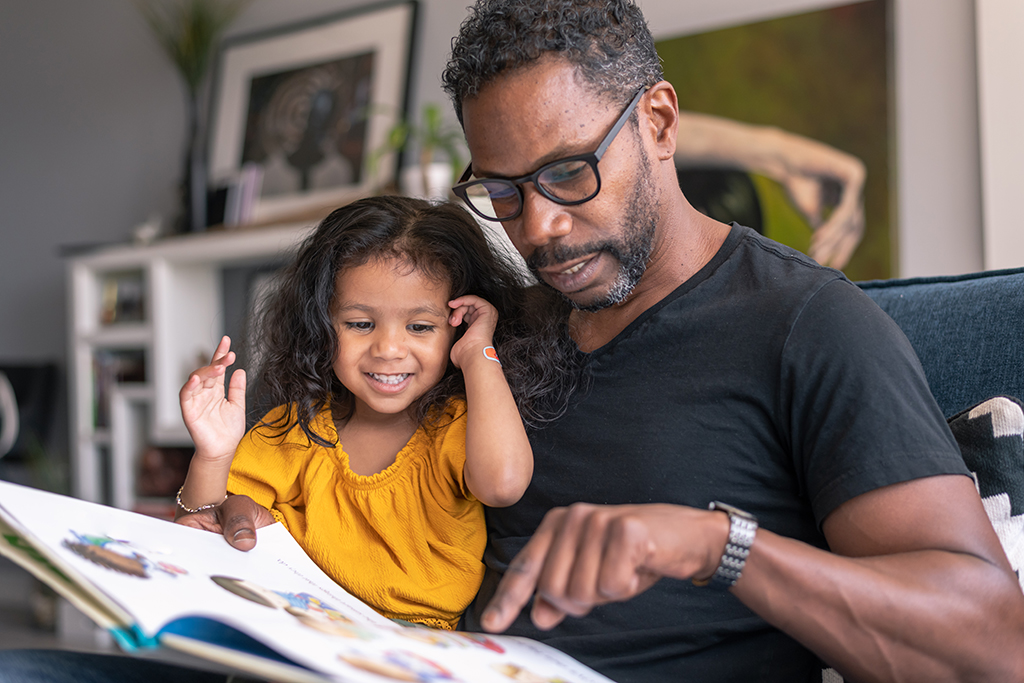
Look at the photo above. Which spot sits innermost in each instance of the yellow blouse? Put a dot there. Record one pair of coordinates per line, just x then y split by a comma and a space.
408, 541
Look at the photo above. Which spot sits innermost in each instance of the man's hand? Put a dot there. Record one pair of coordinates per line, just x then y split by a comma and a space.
588, 555
237, 518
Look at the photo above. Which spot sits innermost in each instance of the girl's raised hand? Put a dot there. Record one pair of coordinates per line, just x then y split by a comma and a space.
481, 318
215, 420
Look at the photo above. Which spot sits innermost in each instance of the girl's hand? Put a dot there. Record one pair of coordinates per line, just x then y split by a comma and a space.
215, 421
481, 318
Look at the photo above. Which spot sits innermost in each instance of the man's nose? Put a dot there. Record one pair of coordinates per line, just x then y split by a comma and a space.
542, 220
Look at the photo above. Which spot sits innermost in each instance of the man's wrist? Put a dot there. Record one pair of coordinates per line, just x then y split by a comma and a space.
742, 530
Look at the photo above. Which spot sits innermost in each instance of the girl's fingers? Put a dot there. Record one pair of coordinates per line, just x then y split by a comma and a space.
236, 387
223, 361
222, 348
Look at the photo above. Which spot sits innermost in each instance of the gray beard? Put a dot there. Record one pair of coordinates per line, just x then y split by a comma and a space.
632, 251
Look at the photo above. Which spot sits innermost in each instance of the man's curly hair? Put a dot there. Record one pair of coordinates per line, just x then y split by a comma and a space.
607, 40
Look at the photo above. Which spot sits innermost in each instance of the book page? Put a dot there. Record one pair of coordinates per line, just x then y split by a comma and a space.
186, 585
14, 547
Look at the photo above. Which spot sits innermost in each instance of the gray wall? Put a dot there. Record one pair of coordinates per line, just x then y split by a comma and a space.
92, 123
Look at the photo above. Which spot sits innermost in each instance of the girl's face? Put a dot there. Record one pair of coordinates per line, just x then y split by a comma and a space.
393, 335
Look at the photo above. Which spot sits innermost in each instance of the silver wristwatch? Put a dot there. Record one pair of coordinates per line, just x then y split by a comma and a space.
742, 528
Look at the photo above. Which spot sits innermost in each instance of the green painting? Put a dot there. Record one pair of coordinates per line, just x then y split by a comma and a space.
785, 127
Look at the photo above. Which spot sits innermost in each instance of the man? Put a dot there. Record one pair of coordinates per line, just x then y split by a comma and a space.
723, 367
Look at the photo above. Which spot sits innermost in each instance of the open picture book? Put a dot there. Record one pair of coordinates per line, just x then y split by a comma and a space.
184, 595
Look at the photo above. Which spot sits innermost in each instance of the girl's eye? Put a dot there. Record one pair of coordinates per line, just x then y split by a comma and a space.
361, 325
421, 328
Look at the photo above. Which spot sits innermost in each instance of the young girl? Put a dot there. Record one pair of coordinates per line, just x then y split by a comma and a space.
394, 421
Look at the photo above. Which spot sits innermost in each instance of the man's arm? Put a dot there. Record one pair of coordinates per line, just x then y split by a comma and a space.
918, 587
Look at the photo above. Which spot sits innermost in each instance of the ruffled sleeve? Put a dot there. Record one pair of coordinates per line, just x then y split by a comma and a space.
268, 466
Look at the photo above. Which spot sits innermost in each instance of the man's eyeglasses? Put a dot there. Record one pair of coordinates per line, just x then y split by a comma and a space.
568, 181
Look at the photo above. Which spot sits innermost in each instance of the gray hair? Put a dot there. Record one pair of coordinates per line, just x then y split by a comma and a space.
606, 40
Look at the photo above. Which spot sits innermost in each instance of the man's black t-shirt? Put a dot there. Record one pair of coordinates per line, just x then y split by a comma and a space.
765, 381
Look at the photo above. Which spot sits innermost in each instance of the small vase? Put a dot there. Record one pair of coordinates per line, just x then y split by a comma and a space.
193, 182
438, 177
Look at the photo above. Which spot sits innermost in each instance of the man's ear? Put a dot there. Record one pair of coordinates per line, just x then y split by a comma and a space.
663, 114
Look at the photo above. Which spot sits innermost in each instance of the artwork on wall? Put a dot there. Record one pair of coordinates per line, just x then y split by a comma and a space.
785, 127
306, 105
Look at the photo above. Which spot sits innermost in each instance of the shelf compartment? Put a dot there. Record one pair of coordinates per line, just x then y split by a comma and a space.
122, 297
112, 369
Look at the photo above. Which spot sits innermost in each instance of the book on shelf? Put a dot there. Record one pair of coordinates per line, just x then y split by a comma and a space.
123, 298
231, 203
183, 595
110, 368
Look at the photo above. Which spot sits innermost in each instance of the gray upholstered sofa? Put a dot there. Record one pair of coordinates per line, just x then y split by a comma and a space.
968, 331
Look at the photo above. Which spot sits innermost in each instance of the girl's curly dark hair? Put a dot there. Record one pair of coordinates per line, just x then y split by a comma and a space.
297, 341
607, 40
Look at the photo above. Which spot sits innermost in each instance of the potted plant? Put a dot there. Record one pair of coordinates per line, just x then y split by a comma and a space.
188, 31
439, 147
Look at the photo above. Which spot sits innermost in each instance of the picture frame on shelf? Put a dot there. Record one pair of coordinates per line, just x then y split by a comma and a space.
308, 103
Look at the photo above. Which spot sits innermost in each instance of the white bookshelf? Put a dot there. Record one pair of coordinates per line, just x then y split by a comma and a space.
178, 282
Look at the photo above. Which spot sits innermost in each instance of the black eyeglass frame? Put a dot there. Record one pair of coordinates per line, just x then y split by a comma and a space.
591, 158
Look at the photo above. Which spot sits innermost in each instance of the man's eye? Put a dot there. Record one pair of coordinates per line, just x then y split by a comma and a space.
421, 328
568, 172
361, 325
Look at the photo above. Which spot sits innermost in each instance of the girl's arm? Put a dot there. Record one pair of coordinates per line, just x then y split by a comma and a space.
216, 422
499, 460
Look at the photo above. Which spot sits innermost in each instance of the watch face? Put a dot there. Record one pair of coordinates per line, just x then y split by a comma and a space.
729, 509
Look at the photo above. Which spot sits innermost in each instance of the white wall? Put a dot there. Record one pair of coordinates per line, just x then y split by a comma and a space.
92, 124
939, 190
1000, 25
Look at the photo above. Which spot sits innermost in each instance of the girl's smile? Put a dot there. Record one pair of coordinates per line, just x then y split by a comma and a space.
394, 338
392, 380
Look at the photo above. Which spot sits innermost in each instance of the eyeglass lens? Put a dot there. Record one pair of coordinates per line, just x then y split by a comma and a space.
567, 181
573, 180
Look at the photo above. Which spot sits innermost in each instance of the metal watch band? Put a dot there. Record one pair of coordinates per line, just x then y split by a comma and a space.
742, 529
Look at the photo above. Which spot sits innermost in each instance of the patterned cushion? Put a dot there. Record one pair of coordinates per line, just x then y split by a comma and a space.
991, 438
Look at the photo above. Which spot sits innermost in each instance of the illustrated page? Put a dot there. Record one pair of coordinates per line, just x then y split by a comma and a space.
159, 571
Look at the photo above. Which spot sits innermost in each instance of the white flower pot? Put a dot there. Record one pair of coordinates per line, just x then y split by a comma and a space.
439, 181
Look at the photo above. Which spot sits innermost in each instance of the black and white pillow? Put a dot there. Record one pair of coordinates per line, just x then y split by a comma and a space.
991, 439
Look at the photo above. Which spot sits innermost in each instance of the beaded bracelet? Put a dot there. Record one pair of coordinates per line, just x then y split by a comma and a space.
192, 511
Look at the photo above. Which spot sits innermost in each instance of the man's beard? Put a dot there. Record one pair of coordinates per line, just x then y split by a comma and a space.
632, 250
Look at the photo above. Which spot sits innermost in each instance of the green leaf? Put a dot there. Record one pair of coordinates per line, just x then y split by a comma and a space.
188, 32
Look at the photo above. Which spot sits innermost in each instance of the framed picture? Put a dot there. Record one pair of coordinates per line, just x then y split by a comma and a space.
307, 105
785, 127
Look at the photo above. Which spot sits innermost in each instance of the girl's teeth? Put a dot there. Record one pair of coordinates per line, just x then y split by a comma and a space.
389, 379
